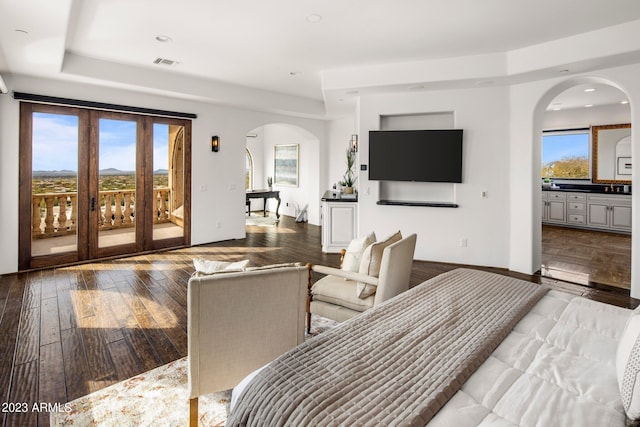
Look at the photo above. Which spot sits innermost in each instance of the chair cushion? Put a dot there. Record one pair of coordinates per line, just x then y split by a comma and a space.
628, 366
370, 263
356, 248
336, 290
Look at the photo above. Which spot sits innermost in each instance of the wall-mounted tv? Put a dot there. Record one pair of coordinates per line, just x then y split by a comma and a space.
416, 155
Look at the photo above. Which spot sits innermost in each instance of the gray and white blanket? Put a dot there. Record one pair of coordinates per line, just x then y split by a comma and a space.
396, 364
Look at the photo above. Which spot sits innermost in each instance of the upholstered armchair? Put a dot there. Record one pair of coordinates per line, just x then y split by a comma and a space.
383, 273
239, 321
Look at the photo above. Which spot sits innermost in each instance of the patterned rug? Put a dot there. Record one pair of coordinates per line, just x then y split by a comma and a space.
155, 398
262, 221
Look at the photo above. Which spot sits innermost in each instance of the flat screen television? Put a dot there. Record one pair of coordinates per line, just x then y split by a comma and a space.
416, 155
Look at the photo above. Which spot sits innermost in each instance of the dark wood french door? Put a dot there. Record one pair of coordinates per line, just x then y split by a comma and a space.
96, 184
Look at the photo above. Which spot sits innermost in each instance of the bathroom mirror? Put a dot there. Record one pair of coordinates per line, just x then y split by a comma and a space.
611, 154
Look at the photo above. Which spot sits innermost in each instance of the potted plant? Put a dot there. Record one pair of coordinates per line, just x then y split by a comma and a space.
270, 182
349, 178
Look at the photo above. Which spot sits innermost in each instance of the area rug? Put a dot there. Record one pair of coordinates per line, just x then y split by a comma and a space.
155, 398
262, 221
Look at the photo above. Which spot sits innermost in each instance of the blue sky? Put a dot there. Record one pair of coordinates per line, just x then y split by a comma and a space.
555, 147
55, 143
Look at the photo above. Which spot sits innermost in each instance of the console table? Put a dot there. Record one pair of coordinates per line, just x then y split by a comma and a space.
264, 195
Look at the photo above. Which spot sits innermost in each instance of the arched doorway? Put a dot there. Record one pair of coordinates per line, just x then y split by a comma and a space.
571, 244
263, 143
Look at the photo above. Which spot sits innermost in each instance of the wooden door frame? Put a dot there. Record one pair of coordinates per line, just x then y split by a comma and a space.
25, 189
87, 149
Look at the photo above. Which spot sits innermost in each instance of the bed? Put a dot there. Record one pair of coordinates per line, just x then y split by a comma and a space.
466, 348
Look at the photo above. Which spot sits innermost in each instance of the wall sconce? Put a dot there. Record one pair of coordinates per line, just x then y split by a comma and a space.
215, 143
353, 143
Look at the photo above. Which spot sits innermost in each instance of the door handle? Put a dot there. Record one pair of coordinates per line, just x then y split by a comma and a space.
93, 204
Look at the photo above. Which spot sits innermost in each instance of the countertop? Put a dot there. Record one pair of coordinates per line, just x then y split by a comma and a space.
336, 196
594, 189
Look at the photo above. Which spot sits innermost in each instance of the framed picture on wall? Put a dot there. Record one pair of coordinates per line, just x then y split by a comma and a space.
285, 169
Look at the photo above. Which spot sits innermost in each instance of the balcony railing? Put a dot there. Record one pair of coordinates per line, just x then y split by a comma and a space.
55, 214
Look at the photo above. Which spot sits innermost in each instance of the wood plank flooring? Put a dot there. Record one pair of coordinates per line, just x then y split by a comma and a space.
589, 257
69, 331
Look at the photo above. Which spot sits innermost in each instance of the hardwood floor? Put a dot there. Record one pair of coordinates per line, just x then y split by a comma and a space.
588, 257
69, 331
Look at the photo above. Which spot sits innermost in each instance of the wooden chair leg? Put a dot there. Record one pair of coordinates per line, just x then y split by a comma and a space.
193, 412
309, 297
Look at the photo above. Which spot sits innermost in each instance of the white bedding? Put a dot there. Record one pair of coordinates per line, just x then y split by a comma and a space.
556, 368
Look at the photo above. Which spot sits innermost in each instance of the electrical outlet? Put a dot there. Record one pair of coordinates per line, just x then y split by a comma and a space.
463, 242
484, 194
218, 224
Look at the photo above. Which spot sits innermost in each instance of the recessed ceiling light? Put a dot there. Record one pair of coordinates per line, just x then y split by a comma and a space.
163, 39
294, 73
564, 71
21, 31
588, 105
624, 102
590, 90
313, 18
556, 109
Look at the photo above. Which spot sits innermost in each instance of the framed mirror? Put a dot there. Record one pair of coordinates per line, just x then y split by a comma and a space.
611, 160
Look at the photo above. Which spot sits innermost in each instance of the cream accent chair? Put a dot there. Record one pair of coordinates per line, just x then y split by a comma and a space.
335, 295
239, 322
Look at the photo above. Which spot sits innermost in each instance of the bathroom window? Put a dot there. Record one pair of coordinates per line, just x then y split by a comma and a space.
565, 154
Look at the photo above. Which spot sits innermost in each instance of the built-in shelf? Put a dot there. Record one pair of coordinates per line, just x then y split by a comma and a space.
426, 204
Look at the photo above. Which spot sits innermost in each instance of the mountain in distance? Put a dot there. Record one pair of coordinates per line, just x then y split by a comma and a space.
63, 172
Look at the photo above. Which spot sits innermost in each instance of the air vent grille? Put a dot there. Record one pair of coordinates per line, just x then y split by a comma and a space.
165, 61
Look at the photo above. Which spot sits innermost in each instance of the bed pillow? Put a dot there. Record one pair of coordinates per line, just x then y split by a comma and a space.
370, 263
204, 266
352, 257
628, 366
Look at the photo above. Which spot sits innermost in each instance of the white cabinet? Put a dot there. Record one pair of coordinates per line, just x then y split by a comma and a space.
576, 208
339, 225
554, 207
611, 212
601, 211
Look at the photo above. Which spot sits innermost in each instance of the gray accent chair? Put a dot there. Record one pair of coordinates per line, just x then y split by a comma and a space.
335, 297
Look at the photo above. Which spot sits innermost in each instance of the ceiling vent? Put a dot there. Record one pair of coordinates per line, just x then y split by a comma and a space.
165, 61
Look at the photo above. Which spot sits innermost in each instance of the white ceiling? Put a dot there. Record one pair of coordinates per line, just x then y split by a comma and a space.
270, 47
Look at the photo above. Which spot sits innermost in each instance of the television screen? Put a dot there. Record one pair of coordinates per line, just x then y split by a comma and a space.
416, 155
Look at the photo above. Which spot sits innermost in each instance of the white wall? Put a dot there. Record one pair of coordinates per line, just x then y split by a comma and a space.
339, 134
218, 200
308, 191
483, 114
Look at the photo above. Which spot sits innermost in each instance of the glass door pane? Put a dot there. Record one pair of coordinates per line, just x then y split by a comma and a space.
116, 203
54, 184
168, 181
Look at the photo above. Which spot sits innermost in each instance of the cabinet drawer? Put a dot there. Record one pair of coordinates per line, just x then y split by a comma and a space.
560, 196
576, 206
574, 196
576, 219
